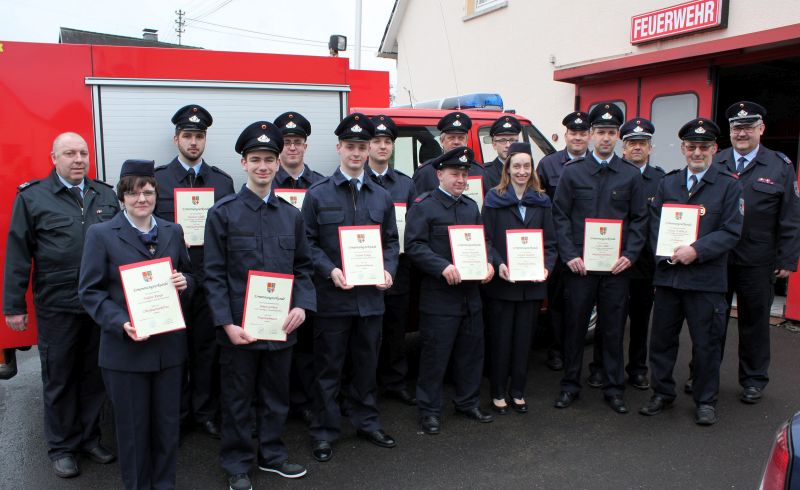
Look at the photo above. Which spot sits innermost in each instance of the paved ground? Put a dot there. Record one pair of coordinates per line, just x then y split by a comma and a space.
584, 447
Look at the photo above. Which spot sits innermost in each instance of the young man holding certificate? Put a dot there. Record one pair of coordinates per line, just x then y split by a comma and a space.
600, 216
187, 187
352, 233
695, 220
445, 241
519, 225
258, 282
132, 271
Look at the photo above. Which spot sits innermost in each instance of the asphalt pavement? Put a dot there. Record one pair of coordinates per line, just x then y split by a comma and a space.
586, 446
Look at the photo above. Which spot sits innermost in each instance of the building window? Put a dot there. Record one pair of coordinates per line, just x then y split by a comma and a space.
668, 113
475, 8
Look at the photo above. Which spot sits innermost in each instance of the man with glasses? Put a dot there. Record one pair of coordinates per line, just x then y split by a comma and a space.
770, 244
504, 131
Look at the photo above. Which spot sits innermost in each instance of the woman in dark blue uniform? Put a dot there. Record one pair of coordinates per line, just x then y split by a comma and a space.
518, 202
142, 374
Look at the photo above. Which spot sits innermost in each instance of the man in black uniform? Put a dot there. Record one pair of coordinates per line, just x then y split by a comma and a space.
636, 147
549, 172
504, 131
349, 318
295, 174
392, 364
691, 283
48, 225
200, 397
454, 132
770, 243
599, 186
255, 231
451, 322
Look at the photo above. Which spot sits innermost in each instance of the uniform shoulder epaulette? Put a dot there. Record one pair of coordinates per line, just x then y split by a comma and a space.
574, 160
784, 158
319, 182
104, 183
161, 167
674, 171
317, 174
422, 197
226, 199
464, 196
220, 171
730, 174
401, 173
659, 169
27, 184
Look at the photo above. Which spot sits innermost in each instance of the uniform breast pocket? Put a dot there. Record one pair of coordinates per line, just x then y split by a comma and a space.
105, 213
241, 243
766, 198
376, 216
583, 194
330, 217
57, 224
620, 199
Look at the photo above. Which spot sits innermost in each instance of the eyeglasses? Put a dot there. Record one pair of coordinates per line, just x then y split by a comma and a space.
136, 195
744, 129
692, 148
505, 141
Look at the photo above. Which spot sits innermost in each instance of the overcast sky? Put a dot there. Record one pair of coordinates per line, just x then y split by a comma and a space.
269, 26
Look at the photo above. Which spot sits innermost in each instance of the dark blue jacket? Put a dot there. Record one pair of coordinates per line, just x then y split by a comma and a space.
585, 190
492, 173
549, 170
427, 244
771, 229
329, 204
720, 228
285, 181
644, 267
496, 221
108, 246
425, 179
244, 233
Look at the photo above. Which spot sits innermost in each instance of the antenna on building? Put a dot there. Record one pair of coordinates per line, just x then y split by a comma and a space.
180, 24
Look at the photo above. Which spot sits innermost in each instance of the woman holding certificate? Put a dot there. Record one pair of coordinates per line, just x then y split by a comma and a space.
134, 267
519, 225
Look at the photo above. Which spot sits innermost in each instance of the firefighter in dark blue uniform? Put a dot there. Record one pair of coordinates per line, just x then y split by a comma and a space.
349, 318
392, 363
294, 173
46, 234
603, 186
636, 147
451, 322
770, 242
691, 284
454, 132
255, 230
504, 131
200, 397
549, 171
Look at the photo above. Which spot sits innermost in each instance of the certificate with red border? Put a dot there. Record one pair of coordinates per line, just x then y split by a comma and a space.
191, 209
602, 244
474, 190
267, 302
292, 196
678, 226
400, 217
152, 300
525, 255
362, 255
468, 246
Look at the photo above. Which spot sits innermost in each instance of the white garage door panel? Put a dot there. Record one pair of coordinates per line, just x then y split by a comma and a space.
136, 123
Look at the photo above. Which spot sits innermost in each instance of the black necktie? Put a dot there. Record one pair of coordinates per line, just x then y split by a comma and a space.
740, 164
378, 178
692, 182
354, 185
192, 177
150, 239
76, 193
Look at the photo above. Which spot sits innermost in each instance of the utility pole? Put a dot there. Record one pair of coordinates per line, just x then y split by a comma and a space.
180, 24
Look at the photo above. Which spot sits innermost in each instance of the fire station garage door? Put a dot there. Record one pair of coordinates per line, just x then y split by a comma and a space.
132, 120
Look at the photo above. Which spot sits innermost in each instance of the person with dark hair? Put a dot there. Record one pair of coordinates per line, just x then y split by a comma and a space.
46, 235
517, 203
505, 131
142, 374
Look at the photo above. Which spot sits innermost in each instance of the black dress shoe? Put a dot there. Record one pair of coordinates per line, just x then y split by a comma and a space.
519, 407
688, 387
430, 424
477, 415
617, 403
639, 381
322, 451
498, 409
555, 362
66, 466
377, 437
209, 428
100, 455
595, 380
655, 405
705, 415
565, 399
751, 395
402, 395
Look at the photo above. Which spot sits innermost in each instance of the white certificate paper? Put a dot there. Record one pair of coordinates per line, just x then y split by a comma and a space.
602, 244
474, 190
362, 255
525, 255
292, 196
266, 305
468, 246
400, 217
191, 208
678, 226
153, 304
